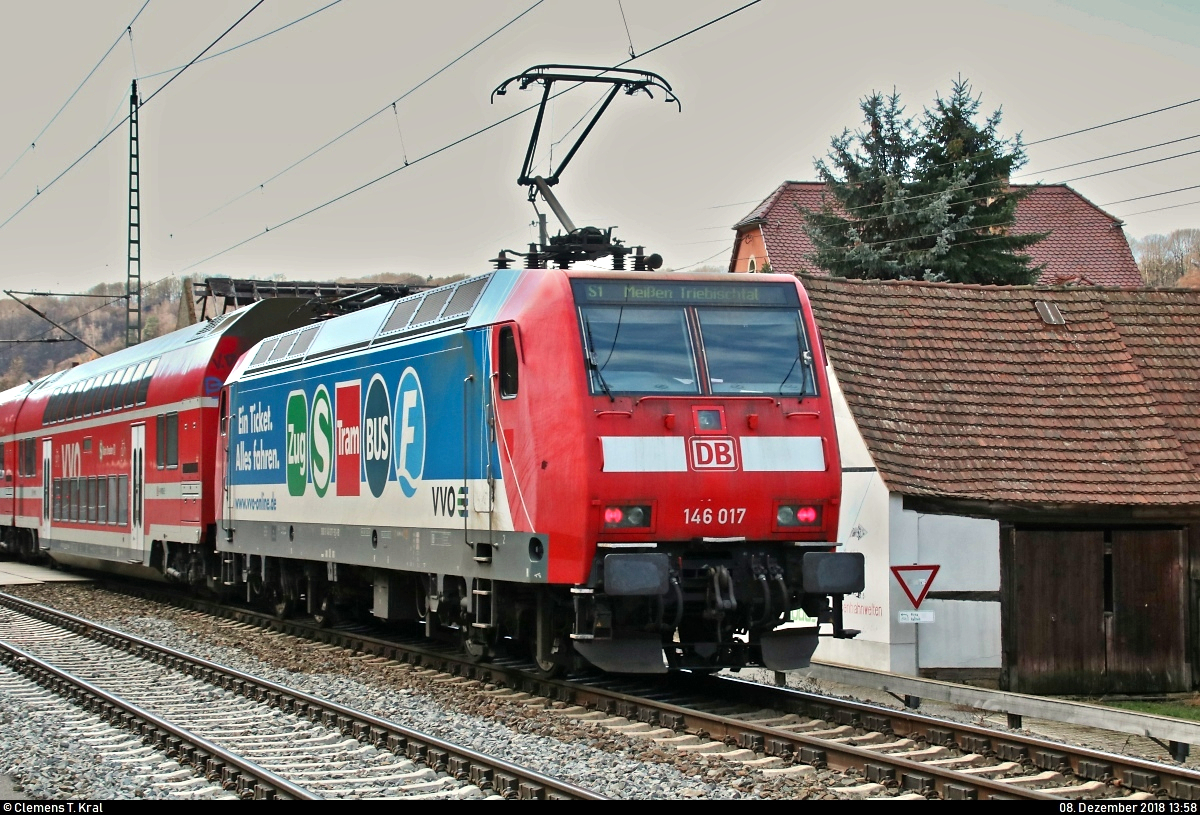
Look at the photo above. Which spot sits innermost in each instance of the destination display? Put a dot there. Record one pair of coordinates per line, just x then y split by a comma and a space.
658, 292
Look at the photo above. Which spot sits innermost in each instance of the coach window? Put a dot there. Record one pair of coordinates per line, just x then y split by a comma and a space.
93, 499
101, 392
106, 401
118, 401
123, 500
112, 499
89, 393
102, 500
130, 391
80, 394
56, 507
68, 406
74, 515
143, 385
94, 397
508, 363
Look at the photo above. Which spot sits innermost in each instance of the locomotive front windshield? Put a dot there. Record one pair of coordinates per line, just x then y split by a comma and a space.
676, 338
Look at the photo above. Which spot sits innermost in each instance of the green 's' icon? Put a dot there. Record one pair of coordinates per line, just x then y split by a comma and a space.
320, 449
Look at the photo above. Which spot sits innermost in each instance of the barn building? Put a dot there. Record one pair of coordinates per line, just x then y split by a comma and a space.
1084, 244
1041, 446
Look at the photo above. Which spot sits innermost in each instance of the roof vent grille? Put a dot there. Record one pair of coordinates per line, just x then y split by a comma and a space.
1049, 312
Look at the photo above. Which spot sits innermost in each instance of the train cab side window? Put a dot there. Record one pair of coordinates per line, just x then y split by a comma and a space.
508, 363
166, 446
27, 464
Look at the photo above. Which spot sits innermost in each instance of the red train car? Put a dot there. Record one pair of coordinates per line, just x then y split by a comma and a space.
109, 464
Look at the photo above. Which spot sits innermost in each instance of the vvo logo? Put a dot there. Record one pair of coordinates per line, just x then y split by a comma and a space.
410, 432
320, 451
713, 453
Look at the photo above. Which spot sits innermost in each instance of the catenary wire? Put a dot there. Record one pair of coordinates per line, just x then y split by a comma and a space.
248, 42
450, 145
144, 102
347, 132
1030, 144
53, 118
1102, 158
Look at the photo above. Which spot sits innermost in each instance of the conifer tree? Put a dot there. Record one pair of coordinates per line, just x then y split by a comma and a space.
925, 202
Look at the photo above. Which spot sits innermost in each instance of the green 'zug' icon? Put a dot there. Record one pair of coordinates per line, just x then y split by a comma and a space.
297, 442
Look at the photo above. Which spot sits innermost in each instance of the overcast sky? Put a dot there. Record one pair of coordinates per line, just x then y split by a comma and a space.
762, 94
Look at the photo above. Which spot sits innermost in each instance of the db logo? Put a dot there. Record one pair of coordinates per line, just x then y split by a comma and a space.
714, 453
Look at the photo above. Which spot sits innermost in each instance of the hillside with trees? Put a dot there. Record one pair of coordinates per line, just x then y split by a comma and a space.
100, 321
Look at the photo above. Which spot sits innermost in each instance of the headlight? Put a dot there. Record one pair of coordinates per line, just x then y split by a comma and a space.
626, 517
798, 515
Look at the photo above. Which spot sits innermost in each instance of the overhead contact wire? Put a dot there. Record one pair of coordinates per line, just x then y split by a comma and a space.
42, 132
452, 144
126, 119
383, 109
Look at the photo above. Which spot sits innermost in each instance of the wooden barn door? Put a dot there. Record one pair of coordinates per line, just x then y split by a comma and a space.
1148, 623
1058, 615
1095, 611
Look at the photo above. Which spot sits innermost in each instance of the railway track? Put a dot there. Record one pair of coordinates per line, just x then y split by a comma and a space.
780, 733
252, 737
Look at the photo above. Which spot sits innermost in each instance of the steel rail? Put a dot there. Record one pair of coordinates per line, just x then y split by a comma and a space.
250, 779
1132, 773
506, 778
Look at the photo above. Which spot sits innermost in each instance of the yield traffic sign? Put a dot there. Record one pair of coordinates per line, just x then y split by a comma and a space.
915, 580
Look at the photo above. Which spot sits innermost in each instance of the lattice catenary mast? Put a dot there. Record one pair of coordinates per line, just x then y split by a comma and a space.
133, 275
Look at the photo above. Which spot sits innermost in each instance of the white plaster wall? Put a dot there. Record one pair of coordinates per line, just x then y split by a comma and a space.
967, 549
964, 634
863, 527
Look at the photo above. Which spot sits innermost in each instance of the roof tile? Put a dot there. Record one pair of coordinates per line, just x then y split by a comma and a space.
964, 392
1085, 244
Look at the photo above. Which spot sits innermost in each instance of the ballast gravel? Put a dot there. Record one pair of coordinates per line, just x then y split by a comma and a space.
611, 764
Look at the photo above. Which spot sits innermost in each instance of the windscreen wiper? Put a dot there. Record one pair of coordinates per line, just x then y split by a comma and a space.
590, 353
805, 356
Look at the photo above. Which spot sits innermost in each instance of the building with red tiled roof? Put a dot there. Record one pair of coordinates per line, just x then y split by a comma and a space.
1085, 244
1041, 446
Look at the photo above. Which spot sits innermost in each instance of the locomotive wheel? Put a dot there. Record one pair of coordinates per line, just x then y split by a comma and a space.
475, 651
547, 669
325, 614
282, 606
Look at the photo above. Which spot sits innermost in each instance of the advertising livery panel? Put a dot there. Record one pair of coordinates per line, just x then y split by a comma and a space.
368, 439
